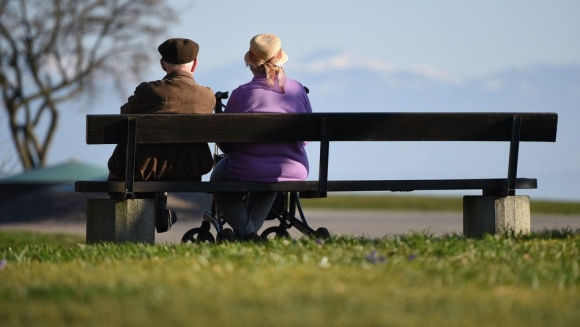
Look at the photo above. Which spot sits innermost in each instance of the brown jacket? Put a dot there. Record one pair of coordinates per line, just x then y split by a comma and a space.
176, 93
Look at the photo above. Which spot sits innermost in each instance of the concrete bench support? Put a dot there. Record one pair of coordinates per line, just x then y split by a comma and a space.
118, 221
496, 215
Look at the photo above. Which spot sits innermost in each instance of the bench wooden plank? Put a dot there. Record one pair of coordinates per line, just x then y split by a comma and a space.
112, 129
493, 184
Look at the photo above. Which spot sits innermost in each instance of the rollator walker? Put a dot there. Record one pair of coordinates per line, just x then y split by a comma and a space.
284, 209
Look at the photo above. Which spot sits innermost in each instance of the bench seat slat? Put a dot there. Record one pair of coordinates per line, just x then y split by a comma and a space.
308, 186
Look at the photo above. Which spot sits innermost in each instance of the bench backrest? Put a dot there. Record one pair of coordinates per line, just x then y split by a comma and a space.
323, 127
113, 129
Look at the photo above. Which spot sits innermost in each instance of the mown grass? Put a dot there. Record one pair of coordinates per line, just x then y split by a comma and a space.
420, 203
407, 280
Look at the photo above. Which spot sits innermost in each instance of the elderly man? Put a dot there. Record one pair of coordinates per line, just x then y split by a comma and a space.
176, 93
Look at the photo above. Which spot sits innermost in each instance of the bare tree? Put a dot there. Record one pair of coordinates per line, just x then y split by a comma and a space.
53, 50
6, 158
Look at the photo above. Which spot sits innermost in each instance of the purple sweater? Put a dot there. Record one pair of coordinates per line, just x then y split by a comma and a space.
267, 162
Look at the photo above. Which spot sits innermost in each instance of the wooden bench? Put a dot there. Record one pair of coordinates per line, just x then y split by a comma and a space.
497, 210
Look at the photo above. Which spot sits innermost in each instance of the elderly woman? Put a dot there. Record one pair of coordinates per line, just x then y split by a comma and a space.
272, 92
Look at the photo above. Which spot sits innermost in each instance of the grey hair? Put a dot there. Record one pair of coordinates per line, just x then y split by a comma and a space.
177, 67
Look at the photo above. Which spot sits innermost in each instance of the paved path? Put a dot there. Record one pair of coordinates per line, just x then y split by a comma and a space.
344, 222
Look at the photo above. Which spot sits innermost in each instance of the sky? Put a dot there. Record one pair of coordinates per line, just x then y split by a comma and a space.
449, 40
456, 37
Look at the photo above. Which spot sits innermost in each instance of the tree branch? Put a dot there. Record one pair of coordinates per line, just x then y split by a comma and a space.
53, 50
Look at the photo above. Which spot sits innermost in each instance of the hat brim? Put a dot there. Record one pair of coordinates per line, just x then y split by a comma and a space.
282, 60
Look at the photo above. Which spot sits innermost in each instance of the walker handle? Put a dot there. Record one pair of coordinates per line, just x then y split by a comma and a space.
219, 96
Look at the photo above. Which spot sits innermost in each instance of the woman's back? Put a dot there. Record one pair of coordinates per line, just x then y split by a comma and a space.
267, 162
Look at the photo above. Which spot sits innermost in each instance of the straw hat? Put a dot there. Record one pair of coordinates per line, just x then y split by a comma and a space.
265, 48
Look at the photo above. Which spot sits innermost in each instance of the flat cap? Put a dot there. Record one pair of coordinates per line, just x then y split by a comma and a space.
178, 51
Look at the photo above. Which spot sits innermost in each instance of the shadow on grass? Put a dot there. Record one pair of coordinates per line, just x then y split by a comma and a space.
12, 238
560, 233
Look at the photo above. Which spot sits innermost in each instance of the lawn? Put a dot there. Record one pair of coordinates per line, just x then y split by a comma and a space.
407, 280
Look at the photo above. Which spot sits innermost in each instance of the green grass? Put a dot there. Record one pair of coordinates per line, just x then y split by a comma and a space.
419, 203
408, 280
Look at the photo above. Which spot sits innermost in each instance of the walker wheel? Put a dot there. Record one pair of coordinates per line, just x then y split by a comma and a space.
197, 235
275, 232
322, 233
226, 235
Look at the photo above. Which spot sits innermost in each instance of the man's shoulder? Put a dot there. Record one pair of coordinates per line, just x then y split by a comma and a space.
168, 80
162, 85
176, 87
206, 89
148, 86
183, 80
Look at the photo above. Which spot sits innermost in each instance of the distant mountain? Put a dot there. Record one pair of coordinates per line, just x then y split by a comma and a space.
339, 82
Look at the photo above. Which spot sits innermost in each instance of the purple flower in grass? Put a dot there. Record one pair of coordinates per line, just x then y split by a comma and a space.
2, 264
374, 258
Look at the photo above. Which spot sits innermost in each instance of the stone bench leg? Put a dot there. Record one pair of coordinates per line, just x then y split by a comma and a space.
118, 221
496, 215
